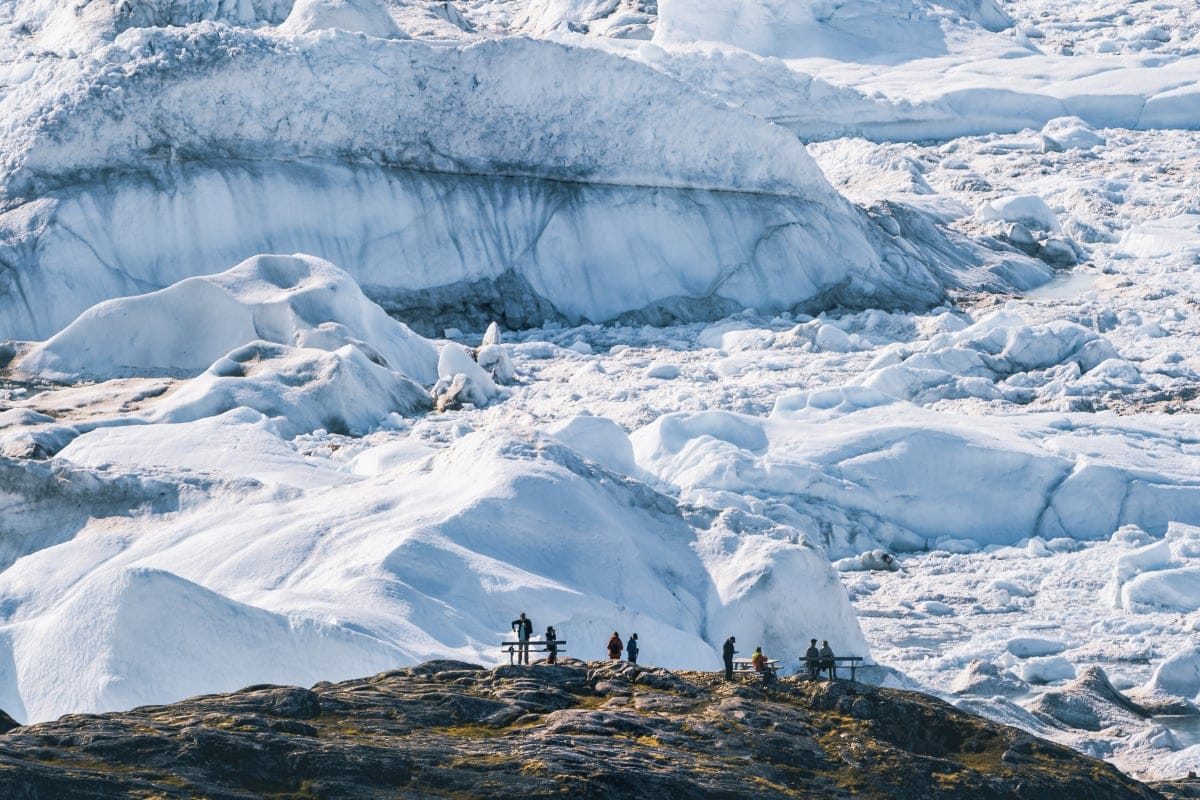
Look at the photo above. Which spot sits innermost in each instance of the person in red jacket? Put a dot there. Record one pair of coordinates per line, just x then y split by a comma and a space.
615, 646
761, 666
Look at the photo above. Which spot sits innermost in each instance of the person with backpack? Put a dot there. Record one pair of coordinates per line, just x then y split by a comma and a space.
631, 649
615, 647
551, 645
523, 625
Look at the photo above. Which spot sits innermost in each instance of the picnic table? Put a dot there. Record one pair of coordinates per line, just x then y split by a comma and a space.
535, 646
747, 665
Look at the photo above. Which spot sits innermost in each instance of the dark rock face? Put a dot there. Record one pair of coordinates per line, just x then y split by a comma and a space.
454, 730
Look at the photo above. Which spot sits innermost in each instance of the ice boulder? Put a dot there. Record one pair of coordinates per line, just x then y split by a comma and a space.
1174, 685
986, 679
879, 560
1179, 675
1033, 646
302, 390
1027, 209
599, 439
1072, 133
297, 301
1164, 590
461, 380
368, 17
494, 357
1046, 670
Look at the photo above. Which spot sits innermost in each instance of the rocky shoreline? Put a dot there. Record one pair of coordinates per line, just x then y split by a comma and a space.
447, 729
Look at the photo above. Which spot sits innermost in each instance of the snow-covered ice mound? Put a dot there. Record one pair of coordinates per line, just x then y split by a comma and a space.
1175, 685
368, 17
239, 444
81, 26
868, 471
150, 633
305, 390
297, 301
1001, 356
1089, 702
872, 31
433, 556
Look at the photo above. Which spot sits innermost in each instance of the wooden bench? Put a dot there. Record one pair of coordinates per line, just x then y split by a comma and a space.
513, 648
851, 661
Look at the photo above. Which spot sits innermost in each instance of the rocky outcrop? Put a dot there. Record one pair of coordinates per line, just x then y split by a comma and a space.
450, 729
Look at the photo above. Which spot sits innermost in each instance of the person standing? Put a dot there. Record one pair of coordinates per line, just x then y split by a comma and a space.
827, 661
812, 660
727, 652
615, 647
551, 645
631, 649
523, 625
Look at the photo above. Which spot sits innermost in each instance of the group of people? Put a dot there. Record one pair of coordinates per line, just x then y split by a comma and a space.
822, 659
631, 648
758, 661
814, 659
523, 626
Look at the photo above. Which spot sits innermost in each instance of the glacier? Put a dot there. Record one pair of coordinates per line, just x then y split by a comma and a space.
768, 351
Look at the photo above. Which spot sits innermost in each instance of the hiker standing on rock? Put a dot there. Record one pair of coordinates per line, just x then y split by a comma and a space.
615, 647
551, 645
631, 649
524, 628
727, 652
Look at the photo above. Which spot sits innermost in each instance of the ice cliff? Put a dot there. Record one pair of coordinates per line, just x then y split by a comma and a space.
510, 178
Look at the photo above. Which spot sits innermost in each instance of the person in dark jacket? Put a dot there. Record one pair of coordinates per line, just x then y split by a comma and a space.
631, 649
551, 645
827, 661
812, 660
727, 652
615, 647
523, 625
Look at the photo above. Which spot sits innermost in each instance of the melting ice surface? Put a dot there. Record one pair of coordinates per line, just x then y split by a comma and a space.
749, 378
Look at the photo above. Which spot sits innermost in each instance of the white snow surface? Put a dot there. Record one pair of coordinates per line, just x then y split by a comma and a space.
210, 479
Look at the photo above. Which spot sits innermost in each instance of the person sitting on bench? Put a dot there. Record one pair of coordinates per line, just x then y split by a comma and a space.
812, 660
827, 661
759, 662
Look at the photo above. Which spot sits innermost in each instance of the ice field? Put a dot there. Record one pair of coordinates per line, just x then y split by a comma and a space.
870, 322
